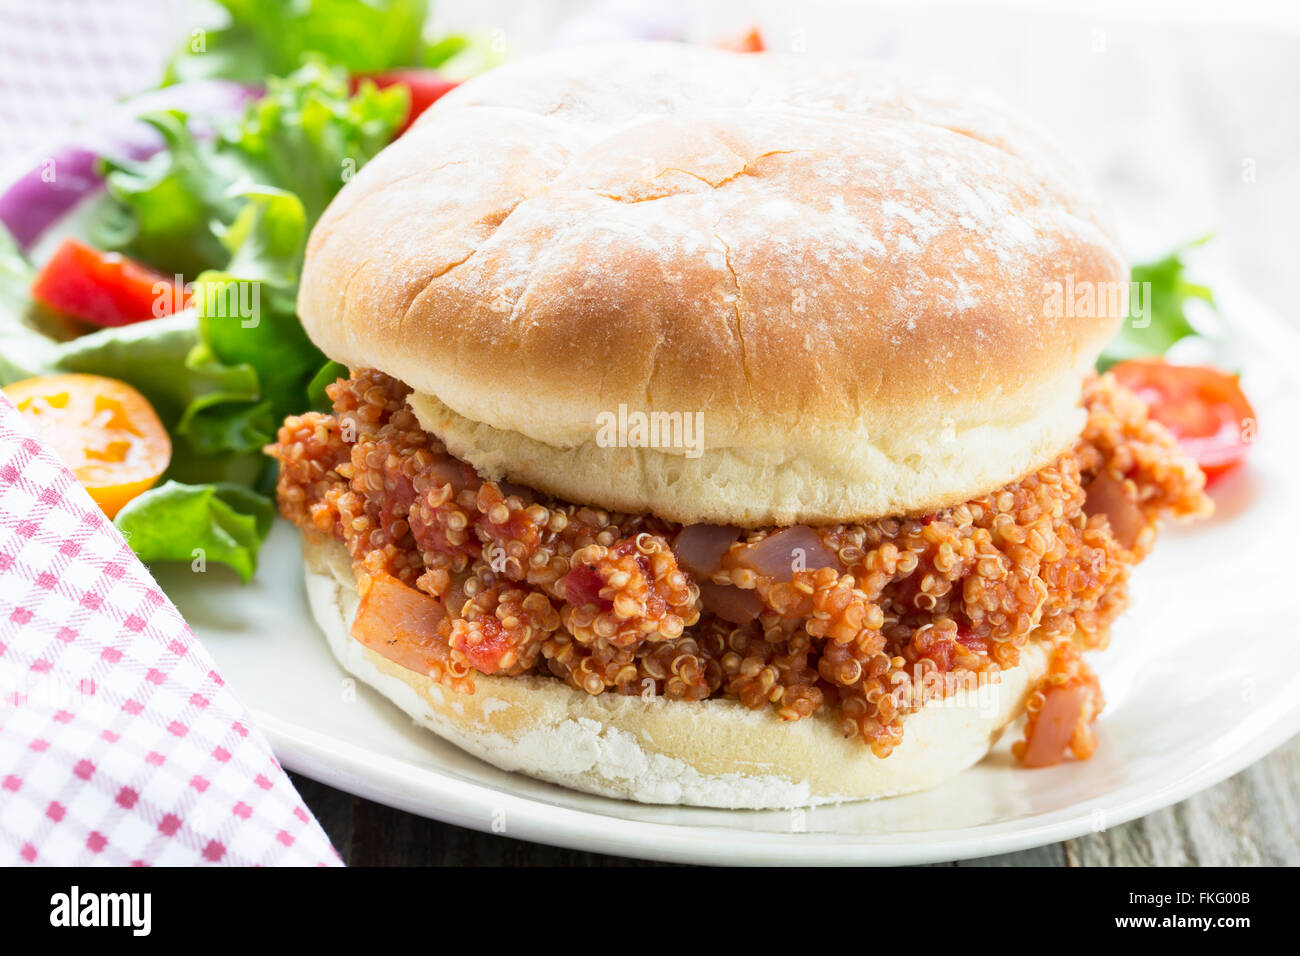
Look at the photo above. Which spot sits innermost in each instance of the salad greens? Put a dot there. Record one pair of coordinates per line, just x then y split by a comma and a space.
261, 39
218, 522
247, 319
164, 210
1166, 295
304, 136
230, 213
29, 334
249, 197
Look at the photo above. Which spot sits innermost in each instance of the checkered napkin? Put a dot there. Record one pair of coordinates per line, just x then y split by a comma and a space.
119, 741
63, 61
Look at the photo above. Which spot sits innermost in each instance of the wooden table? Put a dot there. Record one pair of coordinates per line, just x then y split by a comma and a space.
1250, 819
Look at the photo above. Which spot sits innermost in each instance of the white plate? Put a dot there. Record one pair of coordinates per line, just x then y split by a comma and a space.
1202, 679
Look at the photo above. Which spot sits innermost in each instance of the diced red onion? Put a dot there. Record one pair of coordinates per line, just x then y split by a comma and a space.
446, 470
737, 605
779, 555
700, 547
1105, 495
37, 200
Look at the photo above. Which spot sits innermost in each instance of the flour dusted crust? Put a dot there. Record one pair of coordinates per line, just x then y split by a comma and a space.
844, 268
715, 753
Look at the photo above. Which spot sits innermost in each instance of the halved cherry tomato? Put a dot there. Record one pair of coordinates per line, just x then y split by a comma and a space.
1202, 407
102, 429
426, 87
751, 41
104, 288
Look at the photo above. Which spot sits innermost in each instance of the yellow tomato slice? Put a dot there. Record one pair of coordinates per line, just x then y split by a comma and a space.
105, 431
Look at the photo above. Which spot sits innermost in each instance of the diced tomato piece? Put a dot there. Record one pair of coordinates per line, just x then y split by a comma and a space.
486, 655
751, 41
401, 623
104, 288
1202, 407
519, 527
105, 431
425, 86
582, 586
967, 639
398, 497
941, 655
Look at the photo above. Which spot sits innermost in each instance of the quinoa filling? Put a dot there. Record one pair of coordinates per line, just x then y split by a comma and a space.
855, 620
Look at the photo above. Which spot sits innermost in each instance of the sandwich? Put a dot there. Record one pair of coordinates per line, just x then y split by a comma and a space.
714, 433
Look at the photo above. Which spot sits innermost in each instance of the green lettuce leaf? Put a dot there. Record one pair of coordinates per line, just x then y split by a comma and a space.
162, 359
327, 375
164, 210
247, 312
461, 56
1166, 292
263, 38
443, 51
211, 408
211, 523
305, 136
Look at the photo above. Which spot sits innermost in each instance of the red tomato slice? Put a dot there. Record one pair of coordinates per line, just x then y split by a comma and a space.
426, 87
102, 429
1202, 407
104, 288
751, 41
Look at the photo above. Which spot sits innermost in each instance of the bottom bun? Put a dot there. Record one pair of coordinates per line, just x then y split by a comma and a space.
713, 753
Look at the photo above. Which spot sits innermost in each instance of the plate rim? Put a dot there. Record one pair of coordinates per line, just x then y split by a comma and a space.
450, 799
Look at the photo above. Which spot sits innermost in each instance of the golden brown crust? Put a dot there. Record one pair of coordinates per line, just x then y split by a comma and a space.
845, 269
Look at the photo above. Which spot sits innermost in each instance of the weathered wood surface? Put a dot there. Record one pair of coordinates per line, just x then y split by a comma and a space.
1251, 819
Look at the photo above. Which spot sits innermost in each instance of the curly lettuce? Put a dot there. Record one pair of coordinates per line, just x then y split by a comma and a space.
305, 136
260, 38
233, 213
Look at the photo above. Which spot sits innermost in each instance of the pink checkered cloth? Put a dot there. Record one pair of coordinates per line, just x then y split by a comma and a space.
119, 741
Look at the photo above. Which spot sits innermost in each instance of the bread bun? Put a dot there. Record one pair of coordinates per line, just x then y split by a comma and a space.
714, 753
850, 274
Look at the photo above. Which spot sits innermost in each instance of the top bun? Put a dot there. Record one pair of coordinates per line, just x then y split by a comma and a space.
875, 293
